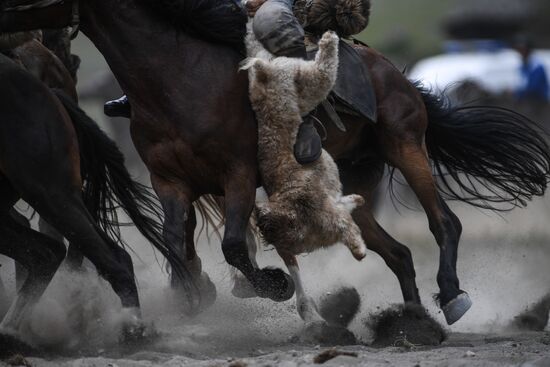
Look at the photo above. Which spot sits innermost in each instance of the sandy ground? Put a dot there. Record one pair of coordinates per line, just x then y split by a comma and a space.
527, 349
503, 264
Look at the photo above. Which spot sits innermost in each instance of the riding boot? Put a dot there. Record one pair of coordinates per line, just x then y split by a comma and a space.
118, 108
307, 148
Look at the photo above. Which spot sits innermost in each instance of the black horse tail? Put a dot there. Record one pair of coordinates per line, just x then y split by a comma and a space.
109, 186
489, 157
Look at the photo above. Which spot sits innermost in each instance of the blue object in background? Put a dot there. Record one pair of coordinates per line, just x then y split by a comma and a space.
534, 83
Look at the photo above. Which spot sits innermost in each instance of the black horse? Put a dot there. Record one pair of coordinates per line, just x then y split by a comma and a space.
57, 159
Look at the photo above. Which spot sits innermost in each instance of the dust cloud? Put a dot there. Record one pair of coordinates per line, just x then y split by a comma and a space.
503, 265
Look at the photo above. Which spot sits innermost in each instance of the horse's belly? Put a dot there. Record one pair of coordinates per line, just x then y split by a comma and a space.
175, 162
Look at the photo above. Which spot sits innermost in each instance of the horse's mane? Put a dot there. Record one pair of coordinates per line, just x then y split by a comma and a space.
222, 21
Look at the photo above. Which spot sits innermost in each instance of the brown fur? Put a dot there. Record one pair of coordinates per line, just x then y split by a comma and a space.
345, 17
306, 209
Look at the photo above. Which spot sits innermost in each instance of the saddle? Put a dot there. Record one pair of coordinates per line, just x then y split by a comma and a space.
353, 92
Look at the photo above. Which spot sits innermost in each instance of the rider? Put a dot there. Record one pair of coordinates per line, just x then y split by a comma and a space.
276, 27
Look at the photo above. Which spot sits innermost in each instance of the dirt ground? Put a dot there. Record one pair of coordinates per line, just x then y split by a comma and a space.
461, 349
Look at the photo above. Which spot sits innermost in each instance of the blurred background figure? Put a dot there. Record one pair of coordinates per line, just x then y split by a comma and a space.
534, 77
488, 56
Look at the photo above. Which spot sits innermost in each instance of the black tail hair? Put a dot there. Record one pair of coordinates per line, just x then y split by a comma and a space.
109, 186
485, 156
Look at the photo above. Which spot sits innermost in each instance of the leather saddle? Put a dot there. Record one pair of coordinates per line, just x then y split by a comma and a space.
353, 92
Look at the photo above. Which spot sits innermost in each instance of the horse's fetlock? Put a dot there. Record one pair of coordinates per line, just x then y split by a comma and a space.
235, 252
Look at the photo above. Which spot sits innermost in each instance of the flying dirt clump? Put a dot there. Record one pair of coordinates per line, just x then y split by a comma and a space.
405, 325
321, 333
338, 309
341, 306
535, 318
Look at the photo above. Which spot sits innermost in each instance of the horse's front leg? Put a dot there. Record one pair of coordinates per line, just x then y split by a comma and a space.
242, 288
307, 309
178, 229
240, 192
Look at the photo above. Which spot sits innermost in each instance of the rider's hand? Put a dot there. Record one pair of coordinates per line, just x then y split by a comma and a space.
252, 6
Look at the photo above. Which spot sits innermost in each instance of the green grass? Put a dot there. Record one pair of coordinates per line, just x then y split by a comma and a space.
407, 29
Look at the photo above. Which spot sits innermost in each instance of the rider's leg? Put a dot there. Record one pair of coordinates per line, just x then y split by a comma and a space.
278, 30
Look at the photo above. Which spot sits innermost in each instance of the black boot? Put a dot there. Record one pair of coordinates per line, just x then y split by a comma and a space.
307, 148
118, 108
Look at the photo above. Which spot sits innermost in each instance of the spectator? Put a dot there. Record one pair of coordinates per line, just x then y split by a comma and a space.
534, 84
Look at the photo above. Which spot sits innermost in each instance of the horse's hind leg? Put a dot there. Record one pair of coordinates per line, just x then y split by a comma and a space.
74, 258
413, 163
38, 254
242, 288
363, 179
111, 261
446, 229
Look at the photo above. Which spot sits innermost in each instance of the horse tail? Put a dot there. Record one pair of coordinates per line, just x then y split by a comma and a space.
489, 157
109, 186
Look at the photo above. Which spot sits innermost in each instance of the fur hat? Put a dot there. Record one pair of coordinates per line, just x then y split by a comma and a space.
345, 17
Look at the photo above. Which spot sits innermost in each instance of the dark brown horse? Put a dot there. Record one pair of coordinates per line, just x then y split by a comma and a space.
194, 129
58, 160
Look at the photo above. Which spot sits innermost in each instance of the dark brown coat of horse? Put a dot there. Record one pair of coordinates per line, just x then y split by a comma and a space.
58, 160
193, 127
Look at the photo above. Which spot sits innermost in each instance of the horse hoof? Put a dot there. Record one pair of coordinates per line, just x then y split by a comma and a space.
456, 308
132, 333
274, 284
133, 328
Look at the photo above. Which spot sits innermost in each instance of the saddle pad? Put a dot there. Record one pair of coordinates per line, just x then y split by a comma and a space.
353, 86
